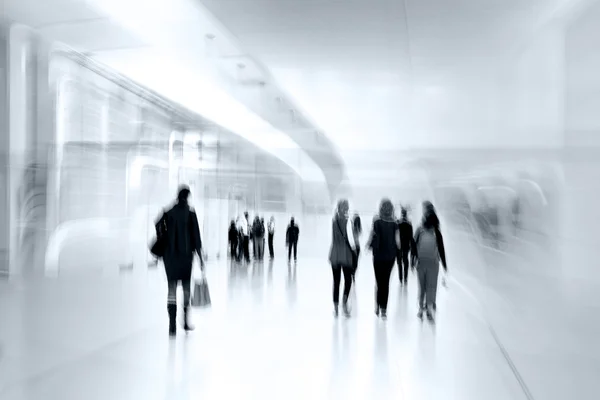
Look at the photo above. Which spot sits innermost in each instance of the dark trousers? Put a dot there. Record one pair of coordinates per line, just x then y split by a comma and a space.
383, 270
295, 246
337, 277
403, 265
271, 252
355, 255
233, 246
246, 248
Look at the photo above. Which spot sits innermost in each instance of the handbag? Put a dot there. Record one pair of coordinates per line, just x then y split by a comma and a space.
201, 296
159, 246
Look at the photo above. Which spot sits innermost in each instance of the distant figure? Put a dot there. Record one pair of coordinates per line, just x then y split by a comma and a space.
245, 229
384, 242
429, 251
341, 255
291, 239
271, 229
258, 233
406, 246
183, 240
356, 231
233, 240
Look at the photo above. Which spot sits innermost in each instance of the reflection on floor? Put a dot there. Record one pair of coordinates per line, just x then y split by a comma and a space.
270, 334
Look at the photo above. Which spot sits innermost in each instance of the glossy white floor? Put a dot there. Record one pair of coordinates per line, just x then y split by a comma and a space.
270, 334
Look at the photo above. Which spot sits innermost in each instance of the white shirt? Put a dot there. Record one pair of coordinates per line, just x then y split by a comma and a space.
244, 226
271, 227
350, 234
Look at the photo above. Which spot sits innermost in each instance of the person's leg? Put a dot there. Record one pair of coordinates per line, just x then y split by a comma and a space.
172, 305
337, 271
247, 248
386, 272
295, 250
432, 283
421, 271
405, 262
399, 262
376, 270
271, 252
289, 251
187, 295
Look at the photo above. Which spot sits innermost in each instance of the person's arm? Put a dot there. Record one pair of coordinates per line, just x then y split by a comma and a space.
350, 234
441, 249
415, 243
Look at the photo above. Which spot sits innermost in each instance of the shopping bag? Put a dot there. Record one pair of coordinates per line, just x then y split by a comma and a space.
201, 296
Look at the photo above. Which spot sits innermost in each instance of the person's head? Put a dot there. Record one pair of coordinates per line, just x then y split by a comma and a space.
430, 218
292, 221
232, 222
246, 214
386, 209
262, 220
342, 207
404, 213
183, 194
272, 218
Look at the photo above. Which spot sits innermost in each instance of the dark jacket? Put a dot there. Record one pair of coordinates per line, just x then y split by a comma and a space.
406, 234
233, 234
383, 240
292, 233
340, 253
183, 240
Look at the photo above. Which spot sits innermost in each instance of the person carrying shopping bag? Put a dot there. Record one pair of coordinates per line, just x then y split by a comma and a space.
429, 251
182, 240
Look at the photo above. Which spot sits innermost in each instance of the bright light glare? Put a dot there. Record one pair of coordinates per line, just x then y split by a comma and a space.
158, 21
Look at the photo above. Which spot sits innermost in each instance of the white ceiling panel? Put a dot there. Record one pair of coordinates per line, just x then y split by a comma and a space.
92, 35
37, 13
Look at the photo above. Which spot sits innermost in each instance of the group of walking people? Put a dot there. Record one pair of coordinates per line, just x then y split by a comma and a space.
390, 240
242, 233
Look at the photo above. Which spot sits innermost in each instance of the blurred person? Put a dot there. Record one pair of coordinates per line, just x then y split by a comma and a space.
271, 233
429, 251
357, 232
291, 239
384, 241
183, 240
245, 230
406, 246
233, 240
258, 233
341, 255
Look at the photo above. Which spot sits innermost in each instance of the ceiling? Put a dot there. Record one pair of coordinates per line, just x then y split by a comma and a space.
390, 73
376, 76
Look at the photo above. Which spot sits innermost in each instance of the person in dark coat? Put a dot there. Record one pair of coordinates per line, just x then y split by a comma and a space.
406, 246
183, 240
341, 255
384, 242
233, 237
291, 239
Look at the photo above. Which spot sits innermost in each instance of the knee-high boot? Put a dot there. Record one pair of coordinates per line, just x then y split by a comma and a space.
172, 309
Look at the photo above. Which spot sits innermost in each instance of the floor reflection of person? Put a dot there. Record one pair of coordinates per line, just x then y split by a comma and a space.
183, 240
